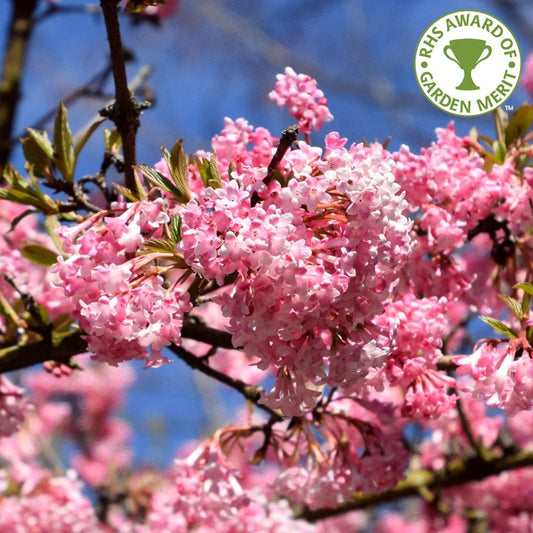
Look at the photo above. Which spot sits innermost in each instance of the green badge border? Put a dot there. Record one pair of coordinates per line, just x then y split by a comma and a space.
461, 11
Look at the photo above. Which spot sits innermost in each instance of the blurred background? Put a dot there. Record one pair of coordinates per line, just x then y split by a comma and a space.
215, 58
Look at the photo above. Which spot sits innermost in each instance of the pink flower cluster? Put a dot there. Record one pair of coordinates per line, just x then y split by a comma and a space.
306, 102
30, 278
208, 496
56, 504
501, 372
81, 407
13, 407
121, 302
448, 183
419, 326
315, 260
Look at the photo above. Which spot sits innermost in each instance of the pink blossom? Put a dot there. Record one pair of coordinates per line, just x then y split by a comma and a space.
121, 304
502, 374
13, 407
305, 100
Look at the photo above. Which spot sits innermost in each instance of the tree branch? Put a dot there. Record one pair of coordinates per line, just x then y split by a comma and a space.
454, 474
20, 29
251, 393
22, 356
125, 111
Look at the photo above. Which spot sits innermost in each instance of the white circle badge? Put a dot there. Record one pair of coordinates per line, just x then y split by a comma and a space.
467, 63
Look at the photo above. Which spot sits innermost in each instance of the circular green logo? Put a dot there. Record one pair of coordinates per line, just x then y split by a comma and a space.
467, 63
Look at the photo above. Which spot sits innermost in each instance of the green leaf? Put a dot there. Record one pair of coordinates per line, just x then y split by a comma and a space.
519, 124
177, 166
178, 157
213, 175
526, 300
22, 197
513, 305
39, 254
209, 171
175, 229
526, 287
113, 141
86, 136
42, 142
127, 193
500, 327
500, 152
64, 149
159, 245
37, 157
158, 180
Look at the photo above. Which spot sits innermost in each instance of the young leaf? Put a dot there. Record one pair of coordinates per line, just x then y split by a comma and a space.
158, 180
159, 245
24, 198
177, 166
64, 149
526, 287
127, 193
37, 157
113, 141
86, 136
500, 327
212, 173
519, 124
175, 229
513, 305
42, 142
525, 304
39, 254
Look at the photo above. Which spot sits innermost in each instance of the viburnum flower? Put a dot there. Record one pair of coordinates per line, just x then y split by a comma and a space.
314, 262
13, 407
501, 373
207, 496
306, 102
418, 326
121, 303
55, 504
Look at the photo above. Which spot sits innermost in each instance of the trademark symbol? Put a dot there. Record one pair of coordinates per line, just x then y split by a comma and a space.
508, 107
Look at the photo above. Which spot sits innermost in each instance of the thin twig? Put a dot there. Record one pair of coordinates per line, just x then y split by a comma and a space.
125, 111
251, 393
287, 138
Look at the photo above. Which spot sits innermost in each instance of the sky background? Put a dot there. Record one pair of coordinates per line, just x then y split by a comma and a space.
216, 58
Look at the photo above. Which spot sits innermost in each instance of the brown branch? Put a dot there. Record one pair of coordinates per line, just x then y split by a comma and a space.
287, 138
22, 356
20, 30
251, 393
125, 111
454, 474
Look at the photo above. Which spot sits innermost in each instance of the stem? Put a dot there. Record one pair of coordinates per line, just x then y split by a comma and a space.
454, 474
288, 136
251, 393
125, 112
18, 357
20, 29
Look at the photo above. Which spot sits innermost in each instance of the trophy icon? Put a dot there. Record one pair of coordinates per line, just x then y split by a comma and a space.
467, 53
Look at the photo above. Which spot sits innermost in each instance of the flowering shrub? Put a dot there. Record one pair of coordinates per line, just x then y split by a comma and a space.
333, 286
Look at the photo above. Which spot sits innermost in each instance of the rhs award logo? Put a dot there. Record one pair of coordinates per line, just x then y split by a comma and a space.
467, 63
